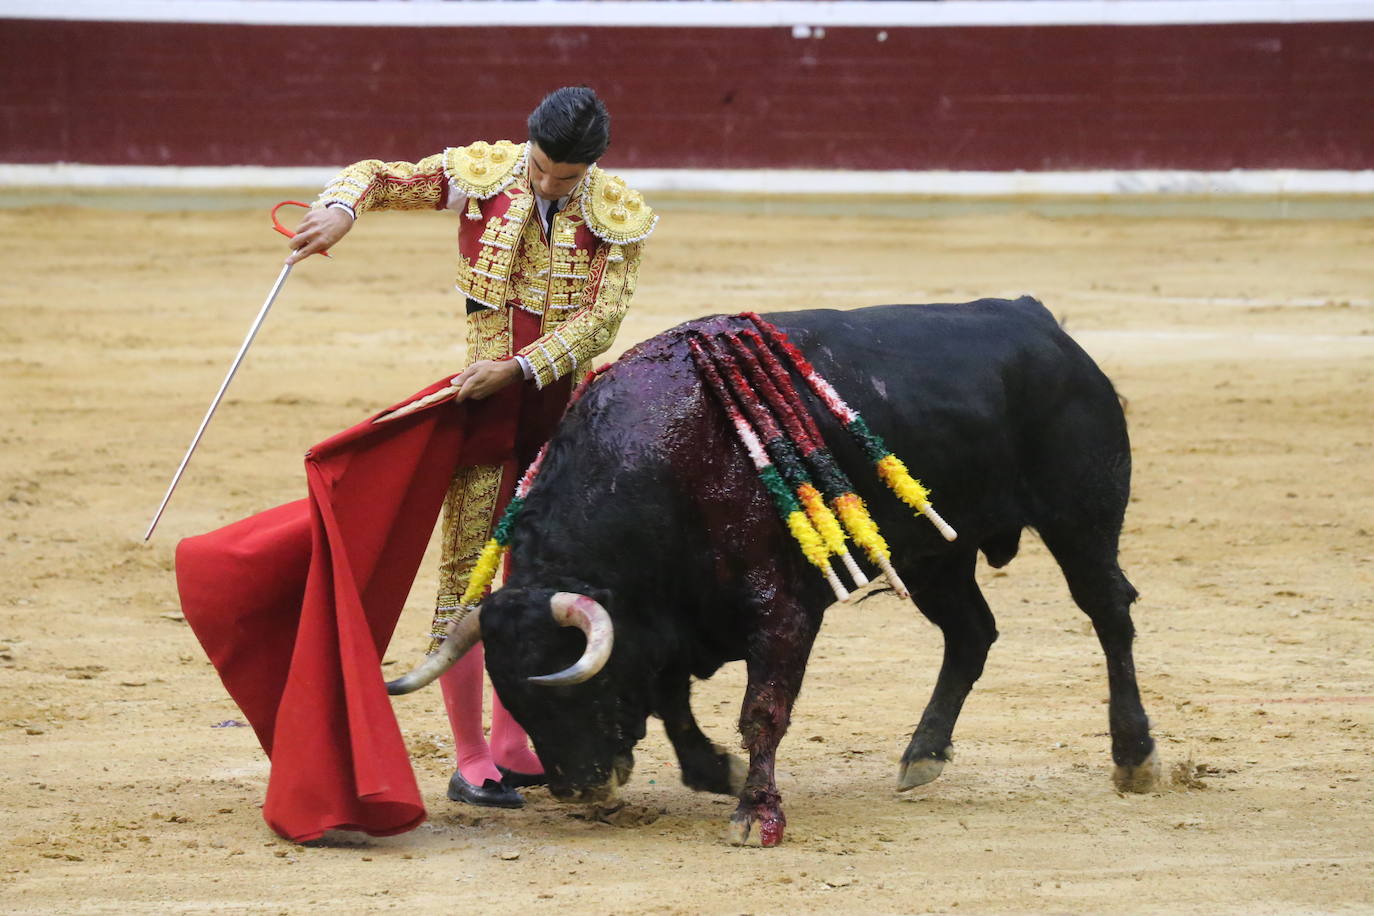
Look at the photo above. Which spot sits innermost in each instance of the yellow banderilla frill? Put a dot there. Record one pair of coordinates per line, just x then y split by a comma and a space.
822, 518
483, 572
813, 547
864, 531
861, 526
908, 489
809, 539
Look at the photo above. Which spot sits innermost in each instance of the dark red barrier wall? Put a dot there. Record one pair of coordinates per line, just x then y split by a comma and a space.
988, 98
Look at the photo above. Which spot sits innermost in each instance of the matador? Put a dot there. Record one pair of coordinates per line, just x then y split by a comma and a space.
549, 248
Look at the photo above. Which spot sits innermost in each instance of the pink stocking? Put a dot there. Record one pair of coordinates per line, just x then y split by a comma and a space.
509, 745
462, 689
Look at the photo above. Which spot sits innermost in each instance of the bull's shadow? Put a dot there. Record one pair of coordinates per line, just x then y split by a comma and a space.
649, 528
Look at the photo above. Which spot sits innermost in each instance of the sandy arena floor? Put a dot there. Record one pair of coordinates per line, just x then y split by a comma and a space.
1245, 347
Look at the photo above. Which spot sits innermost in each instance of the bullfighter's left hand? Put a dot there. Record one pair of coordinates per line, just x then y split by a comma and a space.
486, 377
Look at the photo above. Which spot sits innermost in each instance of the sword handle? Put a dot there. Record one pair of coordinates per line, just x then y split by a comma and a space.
276, 223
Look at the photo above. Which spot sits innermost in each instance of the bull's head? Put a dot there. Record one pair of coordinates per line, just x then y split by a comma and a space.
583, 729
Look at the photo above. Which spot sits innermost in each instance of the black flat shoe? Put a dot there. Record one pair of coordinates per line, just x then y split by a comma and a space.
491, 794
513, 780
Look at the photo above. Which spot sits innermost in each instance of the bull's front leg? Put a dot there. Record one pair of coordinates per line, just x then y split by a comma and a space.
776, 664
705, 767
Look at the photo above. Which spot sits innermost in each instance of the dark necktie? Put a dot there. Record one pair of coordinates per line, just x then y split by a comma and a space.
548, 217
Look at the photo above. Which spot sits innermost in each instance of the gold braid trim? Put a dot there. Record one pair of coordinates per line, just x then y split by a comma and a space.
469, 514
376, 185
591, 329
489, 335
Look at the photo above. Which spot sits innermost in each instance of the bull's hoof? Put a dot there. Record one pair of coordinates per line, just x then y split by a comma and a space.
721, 772
922, 770
741, 831
1143, 777
758, 821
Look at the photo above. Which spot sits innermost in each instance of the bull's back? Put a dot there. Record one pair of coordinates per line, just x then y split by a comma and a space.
970, 351
990, 403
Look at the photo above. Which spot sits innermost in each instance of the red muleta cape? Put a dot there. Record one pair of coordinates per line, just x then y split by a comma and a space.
296, 605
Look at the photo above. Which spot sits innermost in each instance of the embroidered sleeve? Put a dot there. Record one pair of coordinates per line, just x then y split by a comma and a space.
590, 330
376, 185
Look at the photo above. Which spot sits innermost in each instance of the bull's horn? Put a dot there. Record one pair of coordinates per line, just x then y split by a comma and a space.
464, 634
572, 610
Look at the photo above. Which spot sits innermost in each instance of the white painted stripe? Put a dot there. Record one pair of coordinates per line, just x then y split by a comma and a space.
63, 174
803, 17
803, 181
305, 180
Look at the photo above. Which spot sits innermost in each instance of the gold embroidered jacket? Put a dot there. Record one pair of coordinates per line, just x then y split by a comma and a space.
579, 277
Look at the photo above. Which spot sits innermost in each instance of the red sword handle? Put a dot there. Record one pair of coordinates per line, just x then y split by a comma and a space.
276, 223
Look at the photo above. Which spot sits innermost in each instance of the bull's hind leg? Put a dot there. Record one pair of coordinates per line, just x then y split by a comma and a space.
951, 599
1101, 589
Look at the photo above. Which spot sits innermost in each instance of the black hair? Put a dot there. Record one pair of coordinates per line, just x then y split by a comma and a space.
571, 125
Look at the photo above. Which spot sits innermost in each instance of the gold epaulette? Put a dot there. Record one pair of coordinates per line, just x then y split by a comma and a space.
483, 169
614, 211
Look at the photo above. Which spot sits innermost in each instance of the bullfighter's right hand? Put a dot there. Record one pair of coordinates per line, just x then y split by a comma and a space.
485, 377
320, 230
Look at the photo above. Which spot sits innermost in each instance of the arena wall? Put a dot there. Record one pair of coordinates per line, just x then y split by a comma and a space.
888, 93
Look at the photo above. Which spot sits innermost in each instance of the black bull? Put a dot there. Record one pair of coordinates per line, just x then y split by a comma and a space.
647, 504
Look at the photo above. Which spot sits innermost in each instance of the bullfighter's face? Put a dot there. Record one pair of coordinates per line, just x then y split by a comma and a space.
550, 179
583, 733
